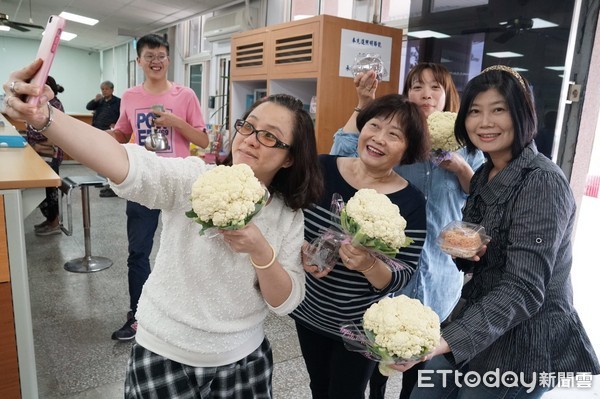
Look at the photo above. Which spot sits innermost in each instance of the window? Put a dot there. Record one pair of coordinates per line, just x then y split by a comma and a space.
194, 42
304, 9
338, 8
392, 10
196, 79
309, 8
220, 115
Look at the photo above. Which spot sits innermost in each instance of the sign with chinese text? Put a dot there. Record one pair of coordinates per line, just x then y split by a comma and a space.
355, 42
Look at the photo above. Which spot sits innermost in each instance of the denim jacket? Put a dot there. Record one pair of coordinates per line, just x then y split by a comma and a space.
438, 282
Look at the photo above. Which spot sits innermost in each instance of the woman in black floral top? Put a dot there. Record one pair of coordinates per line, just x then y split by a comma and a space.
54, 156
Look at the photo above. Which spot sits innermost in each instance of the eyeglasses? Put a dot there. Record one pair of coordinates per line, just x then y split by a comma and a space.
151, 57
264, 137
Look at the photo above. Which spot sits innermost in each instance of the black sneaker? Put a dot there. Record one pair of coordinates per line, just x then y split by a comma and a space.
41, 225
128, 330
107, 192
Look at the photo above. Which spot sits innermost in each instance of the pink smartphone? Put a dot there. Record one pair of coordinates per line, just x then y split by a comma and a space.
46, 51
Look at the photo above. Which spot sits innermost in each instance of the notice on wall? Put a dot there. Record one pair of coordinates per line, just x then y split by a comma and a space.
355, 42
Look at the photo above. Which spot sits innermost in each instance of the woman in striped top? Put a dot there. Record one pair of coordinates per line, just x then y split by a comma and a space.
391, 134
519, 316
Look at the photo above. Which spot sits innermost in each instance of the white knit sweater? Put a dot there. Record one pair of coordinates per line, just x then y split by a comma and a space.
201, 305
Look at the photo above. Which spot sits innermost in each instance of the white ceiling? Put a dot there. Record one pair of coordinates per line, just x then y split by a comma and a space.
119, 19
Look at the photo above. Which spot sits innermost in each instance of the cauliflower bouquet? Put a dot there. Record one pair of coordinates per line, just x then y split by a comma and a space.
226, 197
441, 131
374, 222
394, 330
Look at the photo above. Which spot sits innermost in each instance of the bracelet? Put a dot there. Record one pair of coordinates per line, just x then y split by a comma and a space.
46, 126
268, 264
370, 267
356, 109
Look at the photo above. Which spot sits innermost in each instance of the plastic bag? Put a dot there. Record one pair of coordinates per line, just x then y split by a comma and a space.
364, 62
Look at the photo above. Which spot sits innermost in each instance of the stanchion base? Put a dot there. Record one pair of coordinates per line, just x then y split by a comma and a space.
88, 264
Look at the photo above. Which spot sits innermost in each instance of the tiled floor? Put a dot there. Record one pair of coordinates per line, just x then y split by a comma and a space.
75, 314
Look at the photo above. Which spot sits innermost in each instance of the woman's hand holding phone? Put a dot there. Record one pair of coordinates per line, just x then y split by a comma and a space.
46, 52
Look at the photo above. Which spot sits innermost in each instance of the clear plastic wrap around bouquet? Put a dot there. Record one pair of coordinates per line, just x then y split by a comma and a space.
441, 131
323, 251
369, 220
364, 62
226, 198
394, 331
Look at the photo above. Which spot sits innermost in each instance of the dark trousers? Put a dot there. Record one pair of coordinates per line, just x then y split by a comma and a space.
49, 206
335, 372
141, 226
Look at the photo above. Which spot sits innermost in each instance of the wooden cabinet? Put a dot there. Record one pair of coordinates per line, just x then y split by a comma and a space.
4, 271
302, 58
9, 366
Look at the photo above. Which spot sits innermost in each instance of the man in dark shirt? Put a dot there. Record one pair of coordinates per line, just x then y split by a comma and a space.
106, 113
105, 107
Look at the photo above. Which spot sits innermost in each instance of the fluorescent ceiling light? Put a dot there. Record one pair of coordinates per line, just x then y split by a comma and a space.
504, 54
556, 68
66, 36
79, 18
4, 28
423, 34
520, 69
539, 23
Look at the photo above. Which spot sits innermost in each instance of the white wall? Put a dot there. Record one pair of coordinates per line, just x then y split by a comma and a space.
78, 71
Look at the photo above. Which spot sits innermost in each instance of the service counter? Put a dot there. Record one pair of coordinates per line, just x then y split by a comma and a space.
24, 177
87, 118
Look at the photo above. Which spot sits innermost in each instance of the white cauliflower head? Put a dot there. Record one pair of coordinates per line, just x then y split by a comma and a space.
403, 327
226, 195
441, 130
377, 217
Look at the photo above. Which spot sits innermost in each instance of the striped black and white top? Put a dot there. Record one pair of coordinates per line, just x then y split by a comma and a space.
344, 295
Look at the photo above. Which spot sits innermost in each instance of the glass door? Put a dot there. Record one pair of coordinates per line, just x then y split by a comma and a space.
197, 80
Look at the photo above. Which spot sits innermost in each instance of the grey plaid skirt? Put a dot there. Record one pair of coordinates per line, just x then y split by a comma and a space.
151, 376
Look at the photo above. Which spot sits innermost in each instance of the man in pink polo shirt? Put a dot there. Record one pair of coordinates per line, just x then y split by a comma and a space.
181, 123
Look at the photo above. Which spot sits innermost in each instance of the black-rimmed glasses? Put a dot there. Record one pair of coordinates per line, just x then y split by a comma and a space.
264, 137
158, 57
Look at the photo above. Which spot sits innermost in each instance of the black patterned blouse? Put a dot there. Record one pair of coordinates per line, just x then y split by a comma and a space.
519, 314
